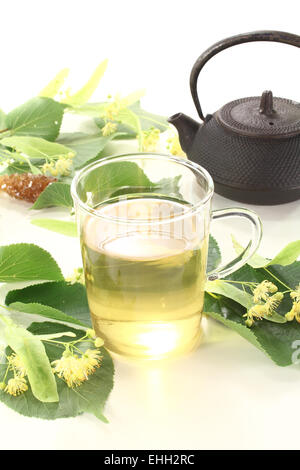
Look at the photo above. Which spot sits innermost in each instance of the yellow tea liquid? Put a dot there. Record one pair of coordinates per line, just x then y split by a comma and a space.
144, 283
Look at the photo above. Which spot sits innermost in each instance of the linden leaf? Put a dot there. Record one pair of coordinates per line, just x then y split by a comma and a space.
39, 117
63, 227
132, 98
90, 109
228, 290
85, 93
35, 147
286, 256
89, 397
230, 314
55, 194
46, 311
111, 178
68, 298
54, 86
282, 276
2, 120
214, 255
32, 353
238, 295
274, 339
128, 117
147, 120
27, 262
86, 146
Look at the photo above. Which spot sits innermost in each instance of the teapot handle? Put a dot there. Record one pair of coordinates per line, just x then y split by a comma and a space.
272, 36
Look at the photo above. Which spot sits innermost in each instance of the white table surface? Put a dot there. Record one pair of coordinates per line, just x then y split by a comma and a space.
225, 395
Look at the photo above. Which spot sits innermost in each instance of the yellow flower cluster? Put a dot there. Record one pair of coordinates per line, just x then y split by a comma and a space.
75, 369
150, 140
109, 128
18, 384
77, 276
264, 303
17, 364
113, 108
295, 310
92, 335
263, 290
60, 167
173, 144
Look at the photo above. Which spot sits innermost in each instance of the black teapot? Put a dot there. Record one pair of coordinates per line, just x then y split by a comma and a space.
251, 146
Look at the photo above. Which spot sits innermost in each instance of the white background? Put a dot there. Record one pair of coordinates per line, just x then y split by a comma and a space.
227, 395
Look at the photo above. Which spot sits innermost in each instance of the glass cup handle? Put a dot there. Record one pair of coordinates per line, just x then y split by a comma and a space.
250, 249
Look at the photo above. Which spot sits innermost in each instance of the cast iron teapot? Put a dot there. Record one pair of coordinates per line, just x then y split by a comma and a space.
251, 146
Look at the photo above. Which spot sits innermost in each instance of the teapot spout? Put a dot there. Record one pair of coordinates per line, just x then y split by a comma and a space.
187, 129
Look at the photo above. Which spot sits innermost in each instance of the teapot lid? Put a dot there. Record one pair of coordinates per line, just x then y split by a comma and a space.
264, 116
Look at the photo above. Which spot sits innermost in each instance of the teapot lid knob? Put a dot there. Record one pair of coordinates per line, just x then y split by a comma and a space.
261, 116
266, 104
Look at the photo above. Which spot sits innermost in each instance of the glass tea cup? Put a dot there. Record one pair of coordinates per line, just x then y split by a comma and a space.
144, 222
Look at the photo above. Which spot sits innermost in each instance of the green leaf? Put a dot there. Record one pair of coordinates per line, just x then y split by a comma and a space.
63, 227
110, 180
275, 339
123, 176
149, 120
45, 311
17, 159
214, 255
35, 147
289, 275
169, 187
122, 131
89, 109
55, 194
285, 277
86, 146
240, 296
128, 117
54, 86
2, 120
56, 335
7, 154
132, 98
286, 256
98, 109
229, 290
89, 397
39, 117
230, 314
27, 262
85, 93
68, 298
18, 166
32, 353
255, 261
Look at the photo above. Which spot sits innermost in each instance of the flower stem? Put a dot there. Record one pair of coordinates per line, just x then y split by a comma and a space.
278, 280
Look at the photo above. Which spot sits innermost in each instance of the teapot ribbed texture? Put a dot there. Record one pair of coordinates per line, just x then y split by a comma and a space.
245, 162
